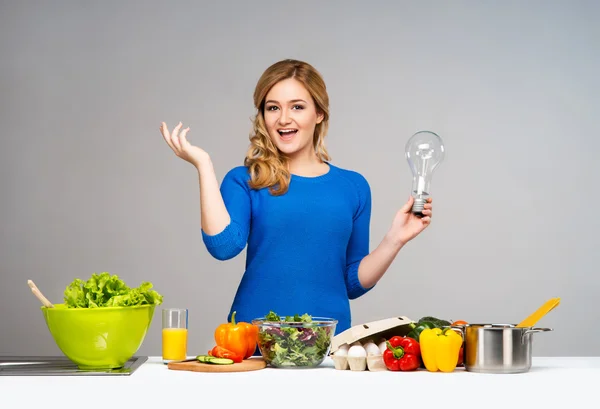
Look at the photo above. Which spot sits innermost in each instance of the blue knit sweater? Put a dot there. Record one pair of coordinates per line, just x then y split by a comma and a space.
304, 247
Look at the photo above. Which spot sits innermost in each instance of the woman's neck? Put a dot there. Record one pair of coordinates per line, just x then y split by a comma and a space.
307, 165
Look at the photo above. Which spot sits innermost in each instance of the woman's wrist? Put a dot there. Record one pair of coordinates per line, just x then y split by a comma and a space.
203, 164
393, 241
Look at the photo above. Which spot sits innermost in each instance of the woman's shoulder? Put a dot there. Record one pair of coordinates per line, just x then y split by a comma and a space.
352, 176
236, 176
238, 173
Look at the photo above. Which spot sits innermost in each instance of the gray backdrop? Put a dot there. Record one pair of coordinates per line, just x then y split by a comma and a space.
88, 184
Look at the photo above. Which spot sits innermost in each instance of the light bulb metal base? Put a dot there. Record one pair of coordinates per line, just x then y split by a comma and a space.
418, 206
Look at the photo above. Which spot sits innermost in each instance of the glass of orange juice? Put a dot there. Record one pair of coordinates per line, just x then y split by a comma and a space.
174, 334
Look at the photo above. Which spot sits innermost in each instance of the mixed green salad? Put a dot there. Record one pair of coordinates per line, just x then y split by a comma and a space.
296, 341
105, 290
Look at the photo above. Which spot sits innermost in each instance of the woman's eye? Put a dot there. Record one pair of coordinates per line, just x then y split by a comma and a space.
298, 107
271, 108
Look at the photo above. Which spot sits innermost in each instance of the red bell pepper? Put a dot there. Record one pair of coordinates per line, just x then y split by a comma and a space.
460, 357
220, 352
402, 354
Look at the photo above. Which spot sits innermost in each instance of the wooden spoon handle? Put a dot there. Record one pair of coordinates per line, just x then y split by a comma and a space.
39, 294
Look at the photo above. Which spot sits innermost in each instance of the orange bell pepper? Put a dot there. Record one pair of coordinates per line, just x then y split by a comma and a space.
240, 338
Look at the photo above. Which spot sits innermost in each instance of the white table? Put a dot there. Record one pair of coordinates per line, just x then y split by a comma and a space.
565, 381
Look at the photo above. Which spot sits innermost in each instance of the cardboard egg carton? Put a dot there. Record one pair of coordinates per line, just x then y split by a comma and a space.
361, 334
385, 328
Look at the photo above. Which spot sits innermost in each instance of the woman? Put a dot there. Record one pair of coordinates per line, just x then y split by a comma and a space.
305, 221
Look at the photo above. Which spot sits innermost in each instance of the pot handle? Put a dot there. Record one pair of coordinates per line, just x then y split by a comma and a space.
531, 331
460, 329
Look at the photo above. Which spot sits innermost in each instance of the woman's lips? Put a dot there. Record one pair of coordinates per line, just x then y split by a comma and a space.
287, 135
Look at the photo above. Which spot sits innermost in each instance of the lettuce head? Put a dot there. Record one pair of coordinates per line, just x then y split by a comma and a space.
105, 290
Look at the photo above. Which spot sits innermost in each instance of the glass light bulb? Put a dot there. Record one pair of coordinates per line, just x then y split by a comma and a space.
424, 152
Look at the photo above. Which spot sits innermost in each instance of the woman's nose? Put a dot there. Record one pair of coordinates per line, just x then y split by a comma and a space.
284, 118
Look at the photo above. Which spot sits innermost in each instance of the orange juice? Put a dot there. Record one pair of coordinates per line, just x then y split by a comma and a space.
174, 343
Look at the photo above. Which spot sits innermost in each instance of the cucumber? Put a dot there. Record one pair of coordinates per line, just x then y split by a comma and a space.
207, 359
203, 358
220, 361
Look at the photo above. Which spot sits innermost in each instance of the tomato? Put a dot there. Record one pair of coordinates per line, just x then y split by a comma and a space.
460, 322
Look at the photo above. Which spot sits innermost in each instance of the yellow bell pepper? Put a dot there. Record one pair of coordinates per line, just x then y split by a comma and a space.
440, 349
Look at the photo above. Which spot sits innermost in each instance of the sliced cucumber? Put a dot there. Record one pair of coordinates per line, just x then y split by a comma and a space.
203, 358
207, 359
220, 361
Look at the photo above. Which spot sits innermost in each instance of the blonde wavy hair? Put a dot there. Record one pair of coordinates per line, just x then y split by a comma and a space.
268, 166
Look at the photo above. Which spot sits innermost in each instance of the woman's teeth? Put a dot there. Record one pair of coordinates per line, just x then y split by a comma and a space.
287, 134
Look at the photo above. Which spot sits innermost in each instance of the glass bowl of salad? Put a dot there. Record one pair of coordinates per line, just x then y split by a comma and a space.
299, 341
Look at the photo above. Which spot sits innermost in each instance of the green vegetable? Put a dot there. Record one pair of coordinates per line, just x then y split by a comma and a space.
295, 342
207, 359
415, 333
426, 323
104, 290
439, 323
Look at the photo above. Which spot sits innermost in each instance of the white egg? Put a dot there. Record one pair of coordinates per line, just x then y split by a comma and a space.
372, 349
342, 350
382, 346
357, 351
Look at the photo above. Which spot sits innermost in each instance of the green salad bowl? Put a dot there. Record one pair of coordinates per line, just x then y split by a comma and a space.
99, 338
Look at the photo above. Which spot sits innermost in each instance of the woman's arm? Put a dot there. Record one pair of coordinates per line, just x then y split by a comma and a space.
213, 213
404, 228
214, 217
224, 211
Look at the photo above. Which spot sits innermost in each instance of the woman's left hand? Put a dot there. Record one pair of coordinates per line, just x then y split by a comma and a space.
406, 225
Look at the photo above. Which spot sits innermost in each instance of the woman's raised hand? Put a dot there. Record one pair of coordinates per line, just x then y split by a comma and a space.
406, 225
181, 146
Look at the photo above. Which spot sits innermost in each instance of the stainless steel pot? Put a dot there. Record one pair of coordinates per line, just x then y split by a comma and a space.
497, 348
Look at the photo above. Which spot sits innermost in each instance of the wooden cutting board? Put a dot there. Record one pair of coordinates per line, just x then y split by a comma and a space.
250, 364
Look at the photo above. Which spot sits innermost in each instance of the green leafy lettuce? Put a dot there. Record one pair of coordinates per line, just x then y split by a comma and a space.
105, 290
296, 341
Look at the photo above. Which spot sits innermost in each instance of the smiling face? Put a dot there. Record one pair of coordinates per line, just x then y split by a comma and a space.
290, 117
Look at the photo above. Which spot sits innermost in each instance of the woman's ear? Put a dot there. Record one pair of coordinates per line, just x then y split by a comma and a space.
320, 117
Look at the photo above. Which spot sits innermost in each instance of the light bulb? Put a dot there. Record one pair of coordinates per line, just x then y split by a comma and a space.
424, 152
